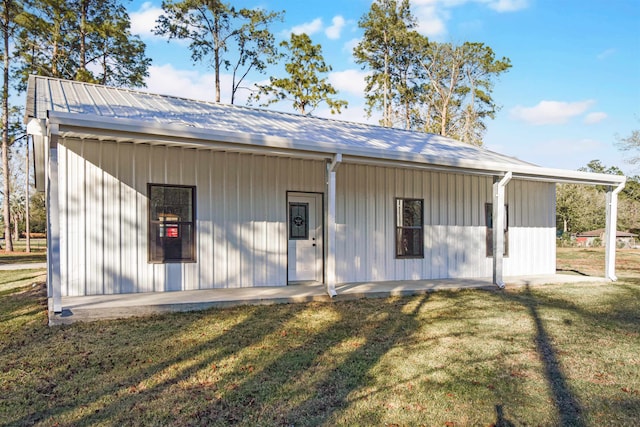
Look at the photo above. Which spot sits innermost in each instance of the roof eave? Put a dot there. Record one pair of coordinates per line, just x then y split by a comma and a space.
163, 133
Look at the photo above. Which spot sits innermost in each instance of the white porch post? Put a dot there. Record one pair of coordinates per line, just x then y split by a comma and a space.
610, 232
330, 277
498, 227
53, 224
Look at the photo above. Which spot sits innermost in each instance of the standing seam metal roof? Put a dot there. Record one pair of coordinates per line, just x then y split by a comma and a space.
55, 95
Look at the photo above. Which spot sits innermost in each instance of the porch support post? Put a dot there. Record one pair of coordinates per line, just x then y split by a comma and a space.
330, 277
54, 284
499, 222
610, 232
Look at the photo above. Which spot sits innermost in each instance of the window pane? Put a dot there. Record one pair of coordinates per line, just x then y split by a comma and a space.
413, 213
299, 221
171, 232
409, 242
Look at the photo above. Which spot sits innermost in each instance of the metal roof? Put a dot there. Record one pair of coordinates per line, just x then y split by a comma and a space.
92, 107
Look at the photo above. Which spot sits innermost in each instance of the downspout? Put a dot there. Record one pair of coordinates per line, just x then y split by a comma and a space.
498, 228
610, 232
330, 276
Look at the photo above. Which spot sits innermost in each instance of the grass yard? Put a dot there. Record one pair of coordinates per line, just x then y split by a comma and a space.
554, 355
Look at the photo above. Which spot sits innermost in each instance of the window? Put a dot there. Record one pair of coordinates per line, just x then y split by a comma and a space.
409, 228
298, 221
488, 214
171, 223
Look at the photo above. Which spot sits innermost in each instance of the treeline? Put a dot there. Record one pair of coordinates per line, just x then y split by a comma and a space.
581, 208
413, 82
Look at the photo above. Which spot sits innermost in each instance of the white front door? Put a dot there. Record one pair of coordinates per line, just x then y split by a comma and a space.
304, 226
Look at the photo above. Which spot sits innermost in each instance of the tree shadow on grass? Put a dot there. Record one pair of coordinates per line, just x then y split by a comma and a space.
568, 407
318, 367
115, 395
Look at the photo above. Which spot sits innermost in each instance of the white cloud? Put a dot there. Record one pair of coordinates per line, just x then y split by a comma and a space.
193, 84
308, 28
349, 81
431, 20
432, 15
550, 112
605, 54
167, 80
595, 117
508, 5
333, 32
353, 113
144, 19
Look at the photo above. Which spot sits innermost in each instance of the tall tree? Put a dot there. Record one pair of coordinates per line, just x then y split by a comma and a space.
386, 52
255, 44
457, 88
211, 26
10, 16
305, 86
86, 40
631, 145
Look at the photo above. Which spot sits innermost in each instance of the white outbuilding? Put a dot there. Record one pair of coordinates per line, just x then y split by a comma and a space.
153, 193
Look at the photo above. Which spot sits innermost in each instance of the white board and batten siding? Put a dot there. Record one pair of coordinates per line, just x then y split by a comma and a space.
241, 236
241, 213
455, 227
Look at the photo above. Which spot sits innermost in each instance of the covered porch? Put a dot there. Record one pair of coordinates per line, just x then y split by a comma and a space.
101, 307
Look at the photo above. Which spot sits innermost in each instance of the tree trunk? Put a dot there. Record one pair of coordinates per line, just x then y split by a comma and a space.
216, 54
83, 36
5, 130
16, 229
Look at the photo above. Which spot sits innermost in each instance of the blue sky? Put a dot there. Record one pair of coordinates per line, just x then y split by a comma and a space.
573, 86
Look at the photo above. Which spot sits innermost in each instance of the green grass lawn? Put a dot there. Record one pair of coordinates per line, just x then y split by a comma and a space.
550, 355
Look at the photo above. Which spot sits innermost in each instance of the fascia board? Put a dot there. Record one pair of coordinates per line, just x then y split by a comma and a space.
170, 132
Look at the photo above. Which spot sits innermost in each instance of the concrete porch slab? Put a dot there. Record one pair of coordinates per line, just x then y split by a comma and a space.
101, 307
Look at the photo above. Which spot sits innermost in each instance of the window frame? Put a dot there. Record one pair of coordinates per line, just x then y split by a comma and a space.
488, 218
399, 228
151, 240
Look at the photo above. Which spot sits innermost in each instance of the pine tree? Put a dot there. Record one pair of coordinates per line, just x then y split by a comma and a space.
305, 87
212, 26
85, 40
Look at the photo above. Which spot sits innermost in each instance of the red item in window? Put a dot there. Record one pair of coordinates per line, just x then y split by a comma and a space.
172, 231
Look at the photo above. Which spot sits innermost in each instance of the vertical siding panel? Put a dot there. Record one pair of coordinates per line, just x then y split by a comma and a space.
64, 216
259, 221
233, 222
390, 226
284, 182
110, 208
220, 201
341, 200
204, 222
127, 199
95, 203
360, 224
475, 200
467, 200
190, 175
273, 276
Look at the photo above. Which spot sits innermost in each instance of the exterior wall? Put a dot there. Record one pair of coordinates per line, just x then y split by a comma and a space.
240, 216
241, 235
455, 228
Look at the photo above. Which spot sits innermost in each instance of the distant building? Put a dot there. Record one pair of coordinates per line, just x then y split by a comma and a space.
596, 238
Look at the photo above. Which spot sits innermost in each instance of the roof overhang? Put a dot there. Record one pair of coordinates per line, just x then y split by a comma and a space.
87, 126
